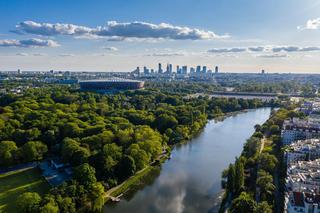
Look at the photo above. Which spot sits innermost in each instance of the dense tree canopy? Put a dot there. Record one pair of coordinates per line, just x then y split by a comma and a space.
104, 138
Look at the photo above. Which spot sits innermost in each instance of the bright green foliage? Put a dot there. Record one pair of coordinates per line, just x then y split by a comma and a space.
243, 204
33, 150
29, 202
268, 162
8, 150
104, 138
265, 182
264, 207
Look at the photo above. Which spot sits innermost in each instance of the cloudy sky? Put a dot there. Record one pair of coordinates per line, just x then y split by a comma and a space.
114, 35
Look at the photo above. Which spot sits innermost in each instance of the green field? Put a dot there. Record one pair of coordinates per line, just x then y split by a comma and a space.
13, 184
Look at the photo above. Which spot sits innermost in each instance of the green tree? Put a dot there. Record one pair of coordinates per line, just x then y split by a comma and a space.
239, 176
164, 122
140, 157
34, 150
29, 202
126, 167
85, 174
49, 205
231, 179
264, 207
265, 182
7, 152
243, 204
267, 162
96, 193
66, 205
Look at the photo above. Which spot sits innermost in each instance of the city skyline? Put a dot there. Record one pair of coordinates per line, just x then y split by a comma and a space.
118, 36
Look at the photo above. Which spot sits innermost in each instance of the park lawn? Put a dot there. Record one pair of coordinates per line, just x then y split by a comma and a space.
15, 183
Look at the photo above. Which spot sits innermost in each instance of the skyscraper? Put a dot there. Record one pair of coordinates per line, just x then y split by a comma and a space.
204, 69
184, 69
198, 69
216, 69
160, 68
170, 68
145, 70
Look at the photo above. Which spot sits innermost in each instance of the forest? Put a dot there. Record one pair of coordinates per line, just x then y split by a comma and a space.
104, 138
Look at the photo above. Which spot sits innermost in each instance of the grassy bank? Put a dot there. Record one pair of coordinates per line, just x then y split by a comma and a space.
134, 180
13, 184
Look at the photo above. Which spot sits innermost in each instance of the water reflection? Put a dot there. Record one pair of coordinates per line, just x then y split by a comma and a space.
190, 181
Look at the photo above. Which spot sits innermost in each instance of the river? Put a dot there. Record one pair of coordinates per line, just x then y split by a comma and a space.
191, 180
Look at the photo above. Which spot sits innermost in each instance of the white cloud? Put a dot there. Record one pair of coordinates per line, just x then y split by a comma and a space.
22, 54
228, 50
119, 31
39, 54
67, 55
275, 55
312, 24
166, 54
110, 48
28, 43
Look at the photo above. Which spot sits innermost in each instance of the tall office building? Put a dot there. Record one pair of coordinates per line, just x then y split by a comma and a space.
170, 68
184, 69
198, 69
216, 69
160, 68
192, 70
178, 70
145, 70
204, 69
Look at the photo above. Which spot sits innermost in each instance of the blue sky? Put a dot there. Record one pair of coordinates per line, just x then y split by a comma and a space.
237, 35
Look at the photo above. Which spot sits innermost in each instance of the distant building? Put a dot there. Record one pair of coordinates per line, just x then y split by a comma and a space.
160, 68
19, 71
216, 69
184, 69
178, 69
198, 69
106, 85
145, 70
192, 70
170, 68
204, 69
262, 72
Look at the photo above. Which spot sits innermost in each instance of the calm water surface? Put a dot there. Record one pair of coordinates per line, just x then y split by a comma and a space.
191, 180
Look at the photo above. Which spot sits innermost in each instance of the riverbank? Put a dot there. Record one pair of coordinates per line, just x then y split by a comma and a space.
261, 159
134, 180
190, 180
137, 179
118, 191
